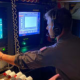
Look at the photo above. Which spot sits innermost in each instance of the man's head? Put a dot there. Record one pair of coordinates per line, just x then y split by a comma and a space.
57, 21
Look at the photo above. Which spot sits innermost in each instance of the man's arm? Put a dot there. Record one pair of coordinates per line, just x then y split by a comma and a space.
8, 58
26, 60
32, 59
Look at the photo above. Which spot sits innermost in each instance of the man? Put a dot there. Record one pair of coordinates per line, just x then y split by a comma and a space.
64, 55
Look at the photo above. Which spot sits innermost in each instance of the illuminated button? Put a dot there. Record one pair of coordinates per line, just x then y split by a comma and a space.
24, 49
3, 49
25, 38
24, 43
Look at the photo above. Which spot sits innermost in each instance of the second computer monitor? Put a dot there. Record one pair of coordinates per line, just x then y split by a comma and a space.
29, 23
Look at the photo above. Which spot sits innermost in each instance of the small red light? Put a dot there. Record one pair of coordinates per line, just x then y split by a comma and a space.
15, 76
4, 74
9, 76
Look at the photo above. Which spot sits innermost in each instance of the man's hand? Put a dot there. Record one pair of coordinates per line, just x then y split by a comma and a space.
8, 58
1, 54
55, 77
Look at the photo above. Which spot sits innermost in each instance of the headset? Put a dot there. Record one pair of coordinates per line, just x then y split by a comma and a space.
57, 28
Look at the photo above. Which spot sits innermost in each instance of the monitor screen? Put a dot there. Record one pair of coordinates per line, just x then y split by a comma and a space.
1, 32
29, 23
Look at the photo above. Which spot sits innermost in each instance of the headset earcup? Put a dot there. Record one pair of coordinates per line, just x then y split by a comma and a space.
57, 29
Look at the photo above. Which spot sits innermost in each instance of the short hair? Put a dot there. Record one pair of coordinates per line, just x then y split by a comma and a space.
63, 17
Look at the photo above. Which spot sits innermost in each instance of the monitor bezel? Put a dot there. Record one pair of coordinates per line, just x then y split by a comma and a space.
3, 16
18, 24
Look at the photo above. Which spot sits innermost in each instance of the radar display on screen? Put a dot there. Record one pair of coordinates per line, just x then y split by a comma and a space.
1, 32
29, 23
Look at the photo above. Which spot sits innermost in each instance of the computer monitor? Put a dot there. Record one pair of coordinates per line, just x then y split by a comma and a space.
29, 23
1, 31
